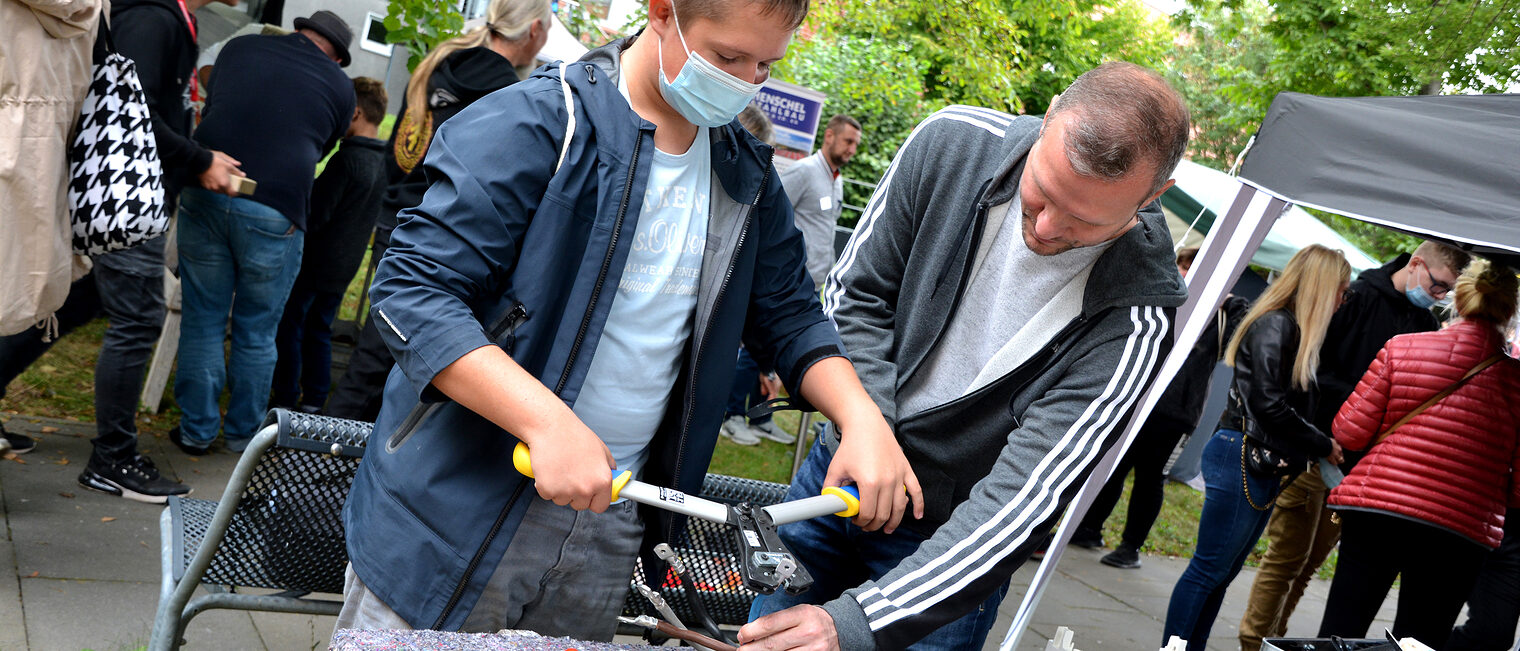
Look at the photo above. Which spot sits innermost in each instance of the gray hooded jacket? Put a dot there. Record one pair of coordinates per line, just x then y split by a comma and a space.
999, 464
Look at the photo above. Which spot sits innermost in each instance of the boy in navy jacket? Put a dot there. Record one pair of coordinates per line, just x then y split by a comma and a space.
596, 241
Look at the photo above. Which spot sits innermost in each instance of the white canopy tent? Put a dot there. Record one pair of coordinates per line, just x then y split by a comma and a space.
1202, 194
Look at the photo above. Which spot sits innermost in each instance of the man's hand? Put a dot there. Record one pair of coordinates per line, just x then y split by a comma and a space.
869, 457
808, 628
564, 452
770, 386
218, 177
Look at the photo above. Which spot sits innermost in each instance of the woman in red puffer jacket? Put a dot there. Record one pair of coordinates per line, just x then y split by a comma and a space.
1428, 501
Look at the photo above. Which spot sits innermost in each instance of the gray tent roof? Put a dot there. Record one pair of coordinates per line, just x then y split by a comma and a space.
1442, 167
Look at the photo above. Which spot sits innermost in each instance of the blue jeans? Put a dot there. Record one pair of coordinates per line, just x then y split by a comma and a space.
1227, 532
303, 374
241, 257
841, 556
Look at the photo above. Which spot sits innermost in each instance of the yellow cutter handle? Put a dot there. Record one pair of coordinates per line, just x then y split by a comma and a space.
521, 461
851, 497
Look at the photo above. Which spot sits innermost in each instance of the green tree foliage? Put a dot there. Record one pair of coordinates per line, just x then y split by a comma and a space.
890, 63
1383, 47
879, 83
1070, 37
419, 25
1238, 54
1380, 243
1221, 72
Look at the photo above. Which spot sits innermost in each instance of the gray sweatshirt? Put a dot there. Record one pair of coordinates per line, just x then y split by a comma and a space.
816, 196
999, 464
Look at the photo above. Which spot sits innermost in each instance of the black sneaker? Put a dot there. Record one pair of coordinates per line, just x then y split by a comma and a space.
18, 443
1087, 540
192, 450
135, 479
1123, 557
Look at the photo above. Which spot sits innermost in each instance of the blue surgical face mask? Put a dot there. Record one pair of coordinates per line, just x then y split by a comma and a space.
1420, 297
703, 93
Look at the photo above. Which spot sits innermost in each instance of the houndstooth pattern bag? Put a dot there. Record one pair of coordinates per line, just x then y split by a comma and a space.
116, 192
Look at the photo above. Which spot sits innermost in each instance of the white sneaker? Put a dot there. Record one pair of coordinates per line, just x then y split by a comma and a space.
770, 430
735, 429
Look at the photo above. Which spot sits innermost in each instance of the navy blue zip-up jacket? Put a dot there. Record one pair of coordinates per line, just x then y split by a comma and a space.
505, 250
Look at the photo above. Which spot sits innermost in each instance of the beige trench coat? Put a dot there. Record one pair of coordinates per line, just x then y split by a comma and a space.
45, 64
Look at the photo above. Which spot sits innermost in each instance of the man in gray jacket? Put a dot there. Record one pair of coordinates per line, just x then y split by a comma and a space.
1007, 298
816, 191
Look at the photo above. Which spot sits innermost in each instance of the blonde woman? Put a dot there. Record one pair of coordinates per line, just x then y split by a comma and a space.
1265, 434
455, 74
1428, 501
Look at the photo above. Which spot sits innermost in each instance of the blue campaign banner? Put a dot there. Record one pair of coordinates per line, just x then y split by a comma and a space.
794, 112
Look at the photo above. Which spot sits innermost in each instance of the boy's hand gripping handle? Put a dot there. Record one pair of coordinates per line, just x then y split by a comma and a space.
521, 462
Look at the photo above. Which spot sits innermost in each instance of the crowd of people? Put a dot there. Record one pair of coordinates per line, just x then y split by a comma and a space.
571, 259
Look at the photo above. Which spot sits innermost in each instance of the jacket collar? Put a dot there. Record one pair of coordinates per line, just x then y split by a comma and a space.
738, 158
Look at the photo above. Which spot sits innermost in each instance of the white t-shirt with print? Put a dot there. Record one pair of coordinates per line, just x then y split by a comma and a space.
634, 368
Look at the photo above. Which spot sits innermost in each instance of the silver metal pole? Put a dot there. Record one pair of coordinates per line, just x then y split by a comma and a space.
804, 428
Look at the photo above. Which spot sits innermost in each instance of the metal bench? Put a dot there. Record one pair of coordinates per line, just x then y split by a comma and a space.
278, 526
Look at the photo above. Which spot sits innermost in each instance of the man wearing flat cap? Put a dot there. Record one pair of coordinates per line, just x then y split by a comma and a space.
277, 104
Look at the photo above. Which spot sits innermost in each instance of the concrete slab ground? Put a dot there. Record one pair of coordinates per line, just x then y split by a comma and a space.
80, 570
1109, 608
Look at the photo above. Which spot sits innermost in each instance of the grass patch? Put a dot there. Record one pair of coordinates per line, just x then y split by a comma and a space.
1175, 533
768, 461
355, 299
61, 384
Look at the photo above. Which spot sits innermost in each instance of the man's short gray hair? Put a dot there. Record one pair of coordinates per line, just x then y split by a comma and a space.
1123, 115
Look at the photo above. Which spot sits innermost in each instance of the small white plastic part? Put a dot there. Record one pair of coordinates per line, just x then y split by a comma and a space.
1062, 641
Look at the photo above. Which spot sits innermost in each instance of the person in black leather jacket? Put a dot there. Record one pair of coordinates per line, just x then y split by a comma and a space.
1265, 434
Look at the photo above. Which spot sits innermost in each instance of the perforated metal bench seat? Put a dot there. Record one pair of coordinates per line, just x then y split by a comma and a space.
277, 526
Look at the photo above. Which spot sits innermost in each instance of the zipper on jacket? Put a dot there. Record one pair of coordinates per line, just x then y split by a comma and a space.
978, 217
507, 324
601, 277
691, 383
469, 570
564, 378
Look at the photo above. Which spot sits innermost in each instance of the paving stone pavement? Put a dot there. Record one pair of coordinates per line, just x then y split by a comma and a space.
80, 570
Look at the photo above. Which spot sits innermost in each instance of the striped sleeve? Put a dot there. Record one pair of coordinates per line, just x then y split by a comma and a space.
1044, 463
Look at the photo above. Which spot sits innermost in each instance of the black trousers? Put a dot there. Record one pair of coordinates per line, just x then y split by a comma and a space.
133, 305
1147, 457
357, 395
1493, 608
1438, 569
